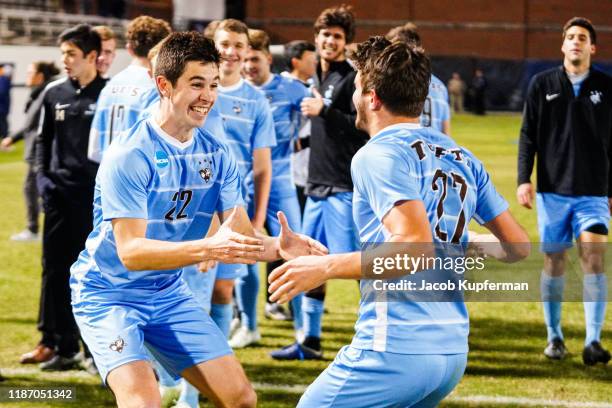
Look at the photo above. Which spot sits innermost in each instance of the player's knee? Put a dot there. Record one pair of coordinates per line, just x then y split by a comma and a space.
222, 292
248, 397
140, 400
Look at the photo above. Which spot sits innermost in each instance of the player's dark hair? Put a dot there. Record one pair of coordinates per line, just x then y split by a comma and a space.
144, 32
259, 40
581, 22
180, 48
407, 33
340, 16
47, 69
399, 72
296, 49
83, 37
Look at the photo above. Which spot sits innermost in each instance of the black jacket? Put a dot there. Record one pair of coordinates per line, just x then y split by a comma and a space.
571, 136
334, 140
29, 130
61, 145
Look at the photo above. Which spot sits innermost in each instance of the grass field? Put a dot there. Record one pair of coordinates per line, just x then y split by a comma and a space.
506, 367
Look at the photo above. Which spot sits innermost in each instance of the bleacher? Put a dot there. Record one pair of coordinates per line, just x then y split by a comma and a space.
41, 21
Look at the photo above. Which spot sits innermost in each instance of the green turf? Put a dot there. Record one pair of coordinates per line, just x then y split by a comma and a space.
506, 338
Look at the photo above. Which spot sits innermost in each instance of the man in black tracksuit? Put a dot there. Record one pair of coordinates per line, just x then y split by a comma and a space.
567, 124
333, 142
65, 178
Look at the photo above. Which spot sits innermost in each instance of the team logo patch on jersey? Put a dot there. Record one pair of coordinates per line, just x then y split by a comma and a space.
206, 174
595, 97
161, 159
237, 108
118, 345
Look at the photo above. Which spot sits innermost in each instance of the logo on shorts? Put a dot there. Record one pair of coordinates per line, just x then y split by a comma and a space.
161, 159
118, 345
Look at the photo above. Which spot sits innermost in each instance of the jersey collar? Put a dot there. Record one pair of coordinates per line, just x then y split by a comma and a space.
166, 137
231, 88
398, 126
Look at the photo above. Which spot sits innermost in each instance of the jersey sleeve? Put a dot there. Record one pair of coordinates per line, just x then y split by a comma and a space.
98, 140
124, 178
263, 131
384, 177
489, 202
231, 185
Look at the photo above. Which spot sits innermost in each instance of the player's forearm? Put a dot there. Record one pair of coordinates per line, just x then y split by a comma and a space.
262, 179
148, 254
344, 266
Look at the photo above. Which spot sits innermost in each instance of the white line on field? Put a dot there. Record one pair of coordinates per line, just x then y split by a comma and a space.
486, 400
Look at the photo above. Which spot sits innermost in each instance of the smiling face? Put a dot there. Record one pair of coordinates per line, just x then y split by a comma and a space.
193, 95
257, 66
233, 48
577, 46
330, 43
75, 63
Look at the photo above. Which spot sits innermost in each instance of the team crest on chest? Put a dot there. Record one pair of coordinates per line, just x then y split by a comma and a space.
206, 171
237, 108
595, 97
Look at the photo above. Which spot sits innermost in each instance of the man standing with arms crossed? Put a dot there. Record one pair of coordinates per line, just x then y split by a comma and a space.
567, 124
333, 142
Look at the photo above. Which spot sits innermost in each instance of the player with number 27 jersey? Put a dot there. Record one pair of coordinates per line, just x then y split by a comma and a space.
415, 163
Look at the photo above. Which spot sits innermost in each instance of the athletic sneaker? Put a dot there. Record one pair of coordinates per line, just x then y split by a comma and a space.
25, 236
234, 326
297, 351
594, 353
61, 363
244, 337
275, 311
555, 350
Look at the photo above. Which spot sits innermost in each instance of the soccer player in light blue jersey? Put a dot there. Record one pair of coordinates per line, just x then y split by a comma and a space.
404, 353
436, 110
128, 92
157, 189
250, 135
285, 96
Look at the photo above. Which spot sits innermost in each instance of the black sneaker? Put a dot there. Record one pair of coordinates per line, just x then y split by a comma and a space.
594, 353
61, 363
555, 350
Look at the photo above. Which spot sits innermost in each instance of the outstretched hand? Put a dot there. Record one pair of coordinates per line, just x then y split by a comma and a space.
299, 275
229, 246
291, 244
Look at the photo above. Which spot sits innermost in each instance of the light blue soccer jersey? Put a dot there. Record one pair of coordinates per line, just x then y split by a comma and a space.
408, 162
119, 106
436, 109
285, 96
176, 187
248, 125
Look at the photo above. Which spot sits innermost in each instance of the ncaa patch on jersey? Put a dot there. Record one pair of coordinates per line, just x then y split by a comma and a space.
161, 159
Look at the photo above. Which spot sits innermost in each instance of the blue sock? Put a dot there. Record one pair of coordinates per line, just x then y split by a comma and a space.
296, 308
189, 394
247, 288
551, 288
222, 316
595, 291
312, 310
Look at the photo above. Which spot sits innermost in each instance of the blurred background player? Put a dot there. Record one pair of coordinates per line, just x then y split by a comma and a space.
250, 136
65, 179
436, 111
284, 95
567, 125
38, 77
301, 59
333, 142
404, 353
109, 49
129, 92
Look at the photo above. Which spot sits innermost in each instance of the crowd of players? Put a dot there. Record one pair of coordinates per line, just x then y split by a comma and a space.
197, 161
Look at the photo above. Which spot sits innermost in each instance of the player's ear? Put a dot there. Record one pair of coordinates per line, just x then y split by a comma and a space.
163, 85
375, 102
